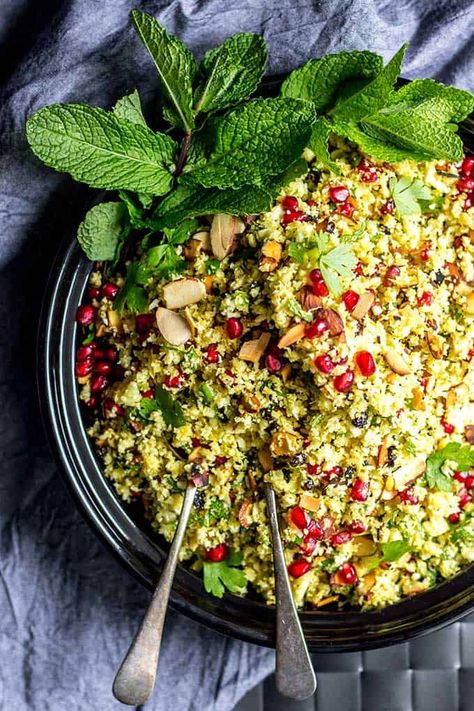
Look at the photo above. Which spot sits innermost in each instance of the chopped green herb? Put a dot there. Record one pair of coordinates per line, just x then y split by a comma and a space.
410, 195
224, 575
461, 455
391, 552
212, 266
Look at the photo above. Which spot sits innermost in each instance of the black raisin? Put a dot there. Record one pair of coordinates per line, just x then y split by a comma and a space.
199, 500
439, 278
286, 475
308, 485
350, 471
298, 459
392, 456
330, 227
361, 420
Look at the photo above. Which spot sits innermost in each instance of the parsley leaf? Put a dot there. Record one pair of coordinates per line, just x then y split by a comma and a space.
340, 261
101, 232
170, 408
391, 552
461, 455
132, 294
224, 575
410, 195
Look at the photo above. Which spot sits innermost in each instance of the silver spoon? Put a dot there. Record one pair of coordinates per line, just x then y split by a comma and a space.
295, 677
135, 679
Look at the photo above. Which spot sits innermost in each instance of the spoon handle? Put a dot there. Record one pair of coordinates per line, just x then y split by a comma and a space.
295, 677
135, 679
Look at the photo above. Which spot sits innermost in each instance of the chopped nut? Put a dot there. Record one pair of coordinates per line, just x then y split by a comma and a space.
285, 372
455, 271
267, 264
308, 300
382, 454
204, 238
208, 282
418, 399
435, 344
251, 403
265, 459
115, 322
245, 513
193, 247
272, 249
327, 600
335, 322
363, 546
224, 229
368, 582
252, 351
172, 327
310, 503
183, 292
100, 330
469, 433
285, 444
396, 362
294, 334
190, 320
408, 473
252, 480
196, 455
363, 306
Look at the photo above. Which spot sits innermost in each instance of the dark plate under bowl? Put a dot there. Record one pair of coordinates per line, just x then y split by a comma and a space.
130, 538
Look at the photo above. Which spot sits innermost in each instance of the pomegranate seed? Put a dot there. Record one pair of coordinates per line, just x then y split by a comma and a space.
299, 517
111, 406
340, 538
426, 299
319, 288
366, 363
234, 327
335, 471
467, 166
464, 499
308, 546
359, 269
86, 314
84, 368
99, 354
110, 290
273, 363
408, 497
148, 394
447, 426
367, 171
469, 482
212, 355
103, 367
315, 530
391, 275
344, 382
93, 292
357, 527
460, 476
425, 255
219, 461
295, 216
346, 209
350, 299
290, 203
315, 275
92, 402
98, 383
324, 364
111, 354
298, 568
347, 573
454, 517
196, 442
313, 469
465, 185
174, 381
339, 193
317, 328
144, 323
360, 490
388, 208
217, 554
84, 353
468, 202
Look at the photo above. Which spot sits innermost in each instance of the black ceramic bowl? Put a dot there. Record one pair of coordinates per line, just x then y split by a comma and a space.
142, 552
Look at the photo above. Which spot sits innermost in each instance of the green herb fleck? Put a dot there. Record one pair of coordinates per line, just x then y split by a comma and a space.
224, 575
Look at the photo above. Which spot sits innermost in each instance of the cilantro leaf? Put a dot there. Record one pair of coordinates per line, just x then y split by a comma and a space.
256, 140
181, 234
101, 232
319, 80
170, 408
318, 143
164, 261
224, 575
101, 149
176, 67
391, 552
132, 294
461, 455
295, 308
146, 407
231, 72
410, 195
129, 108
340, 261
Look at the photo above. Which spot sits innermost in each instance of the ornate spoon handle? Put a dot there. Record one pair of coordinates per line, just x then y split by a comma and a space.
136, 677
295, 675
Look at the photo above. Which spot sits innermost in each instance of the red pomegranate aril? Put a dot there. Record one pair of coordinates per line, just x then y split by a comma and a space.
367, 171
360, 490
344, 382
144, 323
98, 383
174, 381
407, 496
324, 364
350, 299
468, 202
345, 209
426, 299
311, 203
467, 166
315, 275
388, 208
111, 406
217, 554
148, 394
273, 363
111, 354
298, 568
103, 367
365, 363
460, 477
315, 530
338, 539
319, 288
110, 290
212, 355
465, 498
86, 315
92, 402
447, 426
84, 353
454, 517
391, 275
290, 202
196, 442
99, 354
313, 469
93, 292
84, 368
335, 471
295, 216
308, 546
359, 269
234, 327
357, 527
317, 328
469, 482
465, 185
339, 193
219, 461
299, 517
347, 573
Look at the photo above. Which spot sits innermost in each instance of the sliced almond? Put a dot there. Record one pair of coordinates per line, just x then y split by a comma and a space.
396, 362
470, 303
308, 300
183, 292
204, 238
327, 600
224, 229
435, 344
265, 459
310, 503
115, 322
251, 403
469, 433
408, 472
335, 322
252, 351
368, 582
192, 249
245, 513
172, 326
418, 401
100, 330
363, 306
285, 372
294, 334
382, 454
285, 444
272, 249
267, 264
190, 321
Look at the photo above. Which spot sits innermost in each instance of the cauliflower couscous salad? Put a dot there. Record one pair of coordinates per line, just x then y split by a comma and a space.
283, 292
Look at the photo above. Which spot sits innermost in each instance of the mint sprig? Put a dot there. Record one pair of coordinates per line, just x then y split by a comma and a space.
163, 401
102, 231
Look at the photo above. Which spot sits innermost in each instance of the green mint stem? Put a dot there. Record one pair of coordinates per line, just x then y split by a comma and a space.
183, 154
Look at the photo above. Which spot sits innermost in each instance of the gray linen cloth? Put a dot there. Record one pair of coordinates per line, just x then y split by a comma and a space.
67, 609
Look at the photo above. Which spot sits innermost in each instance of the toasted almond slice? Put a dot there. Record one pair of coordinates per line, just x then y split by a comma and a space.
418, 399
408, 472
115, 322
382, 454
183, 292
363, 546
285, 444
308, 300
327, 600
272, 249
267, 264
251, 403
310, 503
224, 228
368, 582
285, 372
470, 303
469, 433
192, 248
294, 334
208, 282
190, 321
335, 322
363, 306
204, 238
435, 344
252, 351
245, 513
265, 459
396, 362
172, 327
100, 330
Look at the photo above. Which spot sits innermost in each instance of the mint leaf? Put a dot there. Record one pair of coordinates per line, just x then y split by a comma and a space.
224, 575
318, 143
251, 142
146, 407
101, 149
320, 80
170, 408
101, 232
377, 148
373, 96
461, 455
135, 208
130, 109
132, 294
410, 195
391, 552
231, 72
176, 67
419, 90
297, 251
